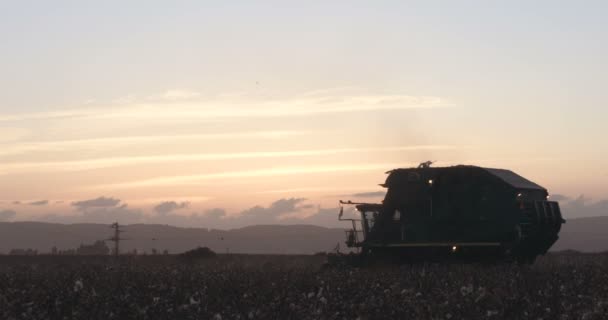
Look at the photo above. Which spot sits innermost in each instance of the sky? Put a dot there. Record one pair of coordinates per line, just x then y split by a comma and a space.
241, 112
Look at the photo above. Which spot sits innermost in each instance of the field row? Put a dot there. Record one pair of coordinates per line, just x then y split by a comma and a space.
283, 287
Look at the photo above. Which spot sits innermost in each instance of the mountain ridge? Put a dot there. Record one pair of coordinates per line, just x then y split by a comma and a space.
587, 234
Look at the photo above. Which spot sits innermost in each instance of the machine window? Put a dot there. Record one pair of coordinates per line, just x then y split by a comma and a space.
397, 215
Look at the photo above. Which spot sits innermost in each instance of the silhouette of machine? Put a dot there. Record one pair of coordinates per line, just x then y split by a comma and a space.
459, 211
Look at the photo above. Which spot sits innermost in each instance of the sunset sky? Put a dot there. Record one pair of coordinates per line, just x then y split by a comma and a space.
156, 111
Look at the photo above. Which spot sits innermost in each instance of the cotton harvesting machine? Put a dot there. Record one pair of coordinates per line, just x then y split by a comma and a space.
458, 212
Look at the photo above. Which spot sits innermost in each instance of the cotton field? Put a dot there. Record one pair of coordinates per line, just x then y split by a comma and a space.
557, 286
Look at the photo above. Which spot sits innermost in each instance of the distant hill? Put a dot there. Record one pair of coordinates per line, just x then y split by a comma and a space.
279, 239
583, 234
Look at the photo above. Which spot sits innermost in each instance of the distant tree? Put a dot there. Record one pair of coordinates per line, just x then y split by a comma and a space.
68, 252
198, 253
23, 252
98, 248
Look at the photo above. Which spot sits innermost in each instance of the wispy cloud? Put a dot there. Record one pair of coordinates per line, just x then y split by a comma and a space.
139, 160
156, 200
167, 207
271, 214
302, 106
183, 104
72, 113
177, 94
280, 171
12, 134
102, 143
39, 203
293, 210
371, 194
101, 202
309, 190
6, 215
584, 207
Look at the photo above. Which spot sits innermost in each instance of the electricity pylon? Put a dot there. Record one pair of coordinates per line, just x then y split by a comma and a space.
116, 237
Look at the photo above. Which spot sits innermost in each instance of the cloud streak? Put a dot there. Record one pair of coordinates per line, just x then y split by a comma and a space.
44, 115
309, 189
171, 106
281, 211
372, 194
6, 215
270, 214
272, 109
170, 206
139, 160
177, 94
12, 134
289, 210
39, 203
101, 143
584, 207
280, 171
101, 202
